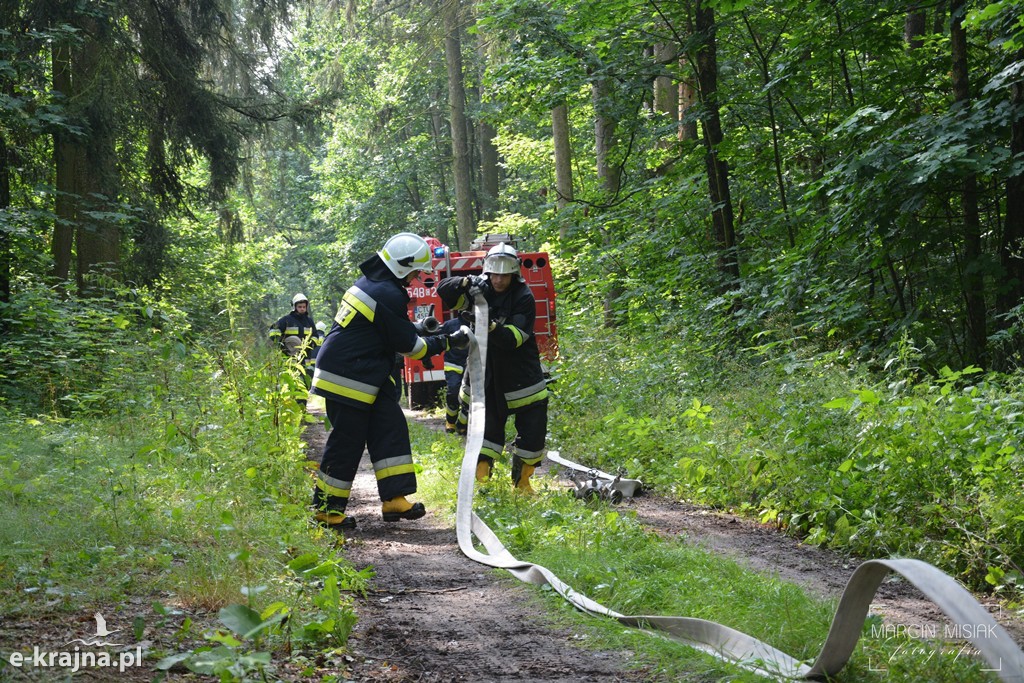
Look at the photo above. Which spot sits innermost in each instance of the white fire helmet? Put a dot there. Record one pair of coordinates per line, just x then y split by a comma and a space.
405, 253
501, 260
298, 299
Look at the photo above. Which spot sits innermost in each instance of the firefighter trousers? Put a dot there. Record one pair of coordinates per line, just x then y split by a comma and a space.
384, 433
531, 428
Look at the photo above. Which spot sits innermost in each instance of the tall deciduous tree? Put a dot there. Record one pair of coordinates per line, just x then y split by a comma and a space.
563, 156
490, 176
973, 281
1011, 245
706, 62
452, 17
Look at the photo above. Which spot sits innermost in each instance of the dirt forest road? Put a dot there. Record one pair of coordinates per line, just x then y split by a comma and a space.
432, 615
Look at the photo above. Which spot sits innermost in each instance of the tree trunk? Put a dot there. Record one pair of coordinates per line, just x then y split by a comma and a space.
717, 168
489, 171
65, 151
563, 157
604, 139
939, 19
460, 144
764, 65
1011, 244
97, 238
687, 100
609, 177
8, 13
973, 278
840, 30
440, 186
5, 240
666, 90
914, 28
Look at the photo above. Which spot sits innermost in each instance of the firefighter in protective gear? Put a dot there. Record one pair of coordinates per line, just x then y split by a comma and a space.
514, 383
456, 405
297, 335
355, 375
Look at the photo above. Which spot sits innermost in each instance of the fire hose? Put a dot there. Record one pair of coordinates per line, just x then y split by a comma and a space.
992, 642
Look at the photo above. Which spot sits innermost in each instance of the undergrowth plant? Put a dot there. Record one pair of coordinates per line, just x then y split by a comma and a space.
889, 463
192, 486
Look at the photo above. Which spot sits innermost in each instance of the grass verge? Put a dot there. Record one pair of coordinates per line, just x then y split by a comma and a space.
603, 552
187, 529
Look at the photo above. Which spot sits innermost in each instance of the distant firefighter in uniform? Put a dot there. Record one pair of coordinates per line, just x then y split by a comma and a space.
355, 373
515, 383
297, 334
455, 404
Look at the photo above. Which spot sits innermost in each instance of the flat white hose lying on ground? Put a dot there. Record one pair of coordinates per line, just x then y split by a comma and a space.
992, 642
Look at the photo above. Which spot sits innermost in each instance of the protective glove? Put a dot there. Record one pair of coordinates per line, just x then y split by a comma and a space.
473, 284
459, 339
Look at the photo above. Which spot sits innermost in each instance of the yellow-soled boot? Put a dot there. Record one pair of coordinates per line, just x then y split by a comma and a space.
521, 473
483, 471
327, 512
399, 508
335, 521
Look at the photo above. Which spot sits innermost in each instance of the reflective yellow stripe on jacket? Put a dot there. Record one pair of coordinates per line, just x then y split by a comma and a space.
520, 336
343, 386
361, 301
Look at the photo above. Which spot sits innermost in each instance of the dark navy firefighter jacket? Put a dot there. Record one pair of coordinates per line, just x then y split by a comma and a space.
513, 358
356, 363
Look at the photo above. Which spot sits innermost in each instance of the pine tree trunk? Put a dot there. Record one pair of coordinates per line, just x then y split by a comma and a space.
973, 283
460, 143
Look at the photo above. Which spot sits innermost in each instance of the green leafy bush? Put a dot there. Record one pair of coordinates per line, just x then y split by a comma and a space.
907, 465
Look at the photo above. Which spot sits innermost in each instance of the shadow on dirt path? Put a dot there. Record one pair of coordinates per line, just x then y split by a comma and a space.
434, 615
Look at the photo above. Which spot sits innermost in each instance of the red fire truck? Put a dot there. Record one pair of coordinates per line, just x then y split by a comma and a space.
422, 383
